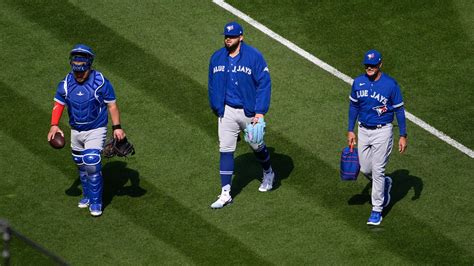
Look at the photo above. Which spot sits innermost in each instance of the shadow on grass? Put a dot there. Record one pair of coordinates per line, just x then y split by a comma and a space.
247, 169
402, 183
116, 176
172, 222
162, 215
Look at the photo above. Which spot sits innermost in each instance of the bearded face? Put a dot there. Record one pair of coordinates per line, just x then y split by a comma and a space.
232, 43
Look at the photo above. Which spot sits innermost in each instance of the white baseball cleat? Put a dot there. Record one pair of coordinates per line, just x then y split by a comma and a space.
95, 209
83, 203
221, 201
267, 183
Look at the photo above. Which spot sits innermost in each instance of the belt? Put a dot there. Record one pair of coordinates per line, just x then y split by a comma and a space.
371, 127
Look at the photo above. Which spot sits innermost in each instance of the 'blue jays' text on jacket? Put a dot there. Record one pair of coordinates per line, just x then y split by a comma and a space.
86, 102
253, 77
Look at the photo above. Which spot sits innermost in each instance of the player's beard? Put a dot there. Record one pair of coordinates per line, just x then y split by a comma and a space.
233, 47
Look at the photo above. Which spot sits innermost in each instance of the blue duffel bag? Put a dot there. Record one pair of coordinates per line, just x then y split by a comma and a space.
349, 164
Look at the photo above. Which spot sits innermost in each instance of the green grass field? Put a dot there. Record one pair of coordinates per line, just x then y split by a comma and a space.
157, 202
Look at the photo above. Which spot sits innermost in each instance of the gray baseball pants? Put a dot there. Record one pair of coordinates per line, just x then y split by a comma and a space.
230, 125
90, 139
374, 148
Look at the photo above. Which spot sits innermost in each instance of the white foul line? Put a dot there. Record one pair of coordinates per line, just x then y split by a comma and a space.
337, 73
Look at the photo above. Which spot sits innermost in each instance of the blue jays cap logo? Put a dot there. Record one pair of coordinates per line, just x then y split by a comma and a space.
372, 57
233, 29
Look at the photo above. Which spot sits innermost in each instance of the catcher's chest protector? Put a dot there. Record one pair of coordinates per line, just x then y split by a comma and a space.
349, 164
86, 104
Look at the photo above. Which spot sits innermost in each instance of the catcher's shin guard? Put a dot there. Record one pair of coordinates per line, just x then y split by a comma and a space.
95, 187
77, 156
83, 178
93, 166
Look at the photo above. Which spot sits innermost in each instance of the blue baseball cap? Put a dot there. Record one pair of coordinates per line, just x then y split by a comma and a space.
82, 49
372, 57
233, 29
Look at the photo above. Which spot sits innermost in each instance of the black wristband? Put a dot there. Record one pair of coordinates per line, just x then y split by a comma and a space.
405, 135
114, 127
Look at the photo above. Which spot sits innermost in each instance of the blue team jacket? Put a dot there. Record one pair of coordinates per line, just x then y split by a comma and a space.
253, 77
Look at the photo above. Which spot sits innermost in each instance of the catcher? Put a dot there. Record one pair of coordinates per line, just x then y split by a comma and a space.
88, 96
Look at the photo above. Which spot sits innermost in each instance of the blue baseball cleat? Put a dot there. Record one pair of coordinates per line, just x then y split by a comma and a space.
95, 209
83, 203
375, 218
386, 191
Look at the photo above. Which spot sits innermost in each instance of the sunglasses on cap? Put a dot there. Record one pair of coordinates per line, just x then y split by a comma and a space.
371, 66
231, 37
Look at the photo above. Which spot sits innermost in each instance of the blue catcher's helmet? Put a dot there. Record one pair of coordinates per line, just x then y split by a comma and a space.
81, 53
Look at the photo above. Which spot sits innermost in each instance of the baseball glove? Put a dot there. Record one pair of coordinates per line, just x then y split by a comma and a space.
121, 148
254, 133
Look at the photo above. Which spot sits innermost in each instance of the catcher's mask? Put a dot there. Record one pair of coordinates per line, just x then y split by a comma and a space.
81, 53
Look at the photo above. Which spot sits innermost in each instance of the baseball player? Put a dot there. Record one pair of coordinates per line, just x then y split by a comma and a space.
88, 95
239, 94
374, 100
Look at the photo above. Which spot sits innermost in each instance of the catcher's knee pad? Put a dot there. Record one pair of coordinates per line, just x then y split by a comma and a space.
77, 157
91, 159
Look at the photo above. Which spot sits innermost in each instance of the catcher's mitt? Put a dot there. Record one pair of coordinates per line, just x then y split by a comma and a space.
121, 148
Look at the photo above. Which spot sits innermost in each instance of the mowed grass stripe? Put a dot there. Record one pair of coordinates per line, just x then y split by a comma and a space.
175, 225
144, 71
331, 173
301, 184
405, 230
419, 42
442, 136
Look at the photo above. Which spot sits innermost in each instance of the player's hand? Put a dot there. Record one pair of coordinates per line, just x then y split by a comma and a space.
53, 130
402, 144
351, 138
255, 119
119, 134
